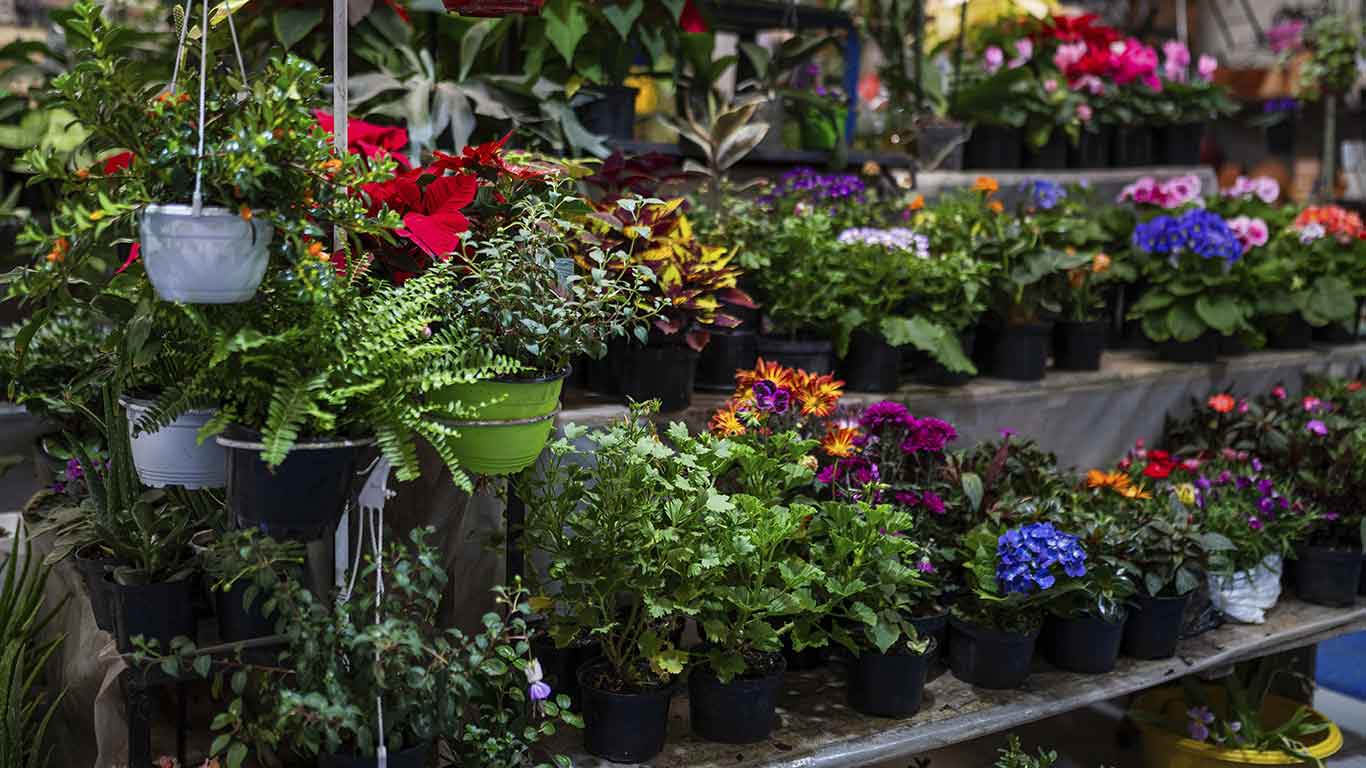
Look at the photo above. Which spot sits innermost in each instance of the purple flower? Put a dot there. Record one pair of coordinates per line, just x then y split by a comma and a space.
1006, 434
907, 498
929, 434
539, 691
1200, 720
1317, 427
885, 413
1256, 465
1265, 487
771, 398
993, 58
925, 566
1254, 523
1267, 505
828, 473
932, 502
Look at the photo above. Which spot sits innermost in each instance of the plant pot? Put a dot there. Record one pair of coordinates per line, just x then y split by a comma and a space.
1163, 748
1132, 147
939, 146
1020, 352
613, 114
214, 258
1327, 576
1087, 644
1154, 626
889, 684
171, 455
872, 364
1335, 333
508, 423
238, 622
927, 370
806, 658
1280, 137
412, 757
597, 376
989, 658
1288, 332
300, 499
727, 352
739, 712
160, 612
994, 147
1180, 144
1077, 346
560, 666
665, 372
1052, 156
1361, 582
93, 570
623, 727
937, 627
816, 356
1232, 346
1092, 149
1202, 349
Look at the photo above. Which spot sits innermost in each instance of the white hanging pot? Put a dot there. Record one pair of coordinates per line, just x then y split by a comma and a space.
216, 257
170, 455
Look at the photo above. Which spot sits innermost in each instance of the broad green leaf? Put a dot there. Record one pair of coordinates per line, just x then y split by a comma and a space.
293, 24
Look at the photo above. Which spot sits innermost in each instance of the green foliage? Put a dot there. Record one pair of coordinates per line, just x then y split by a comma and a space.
1335, 44
1170, 549
1192, 297
248, 557
803, 287
1014, 756
57, 375
24, 617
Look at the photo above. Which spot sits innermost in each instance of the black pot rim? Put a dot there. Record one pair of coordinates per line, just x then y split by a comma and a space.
1088, 619
1326, 552
704, 670
1161, 598
977, 630
667, 689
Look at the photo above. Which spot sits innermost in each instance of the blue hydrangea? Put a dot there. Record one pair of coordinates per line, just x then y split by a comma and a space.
1026, 556
1202, 232
1045, 195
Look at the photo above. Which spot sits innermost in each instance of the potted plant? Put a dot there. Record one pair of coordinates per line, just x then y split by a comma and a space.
878, 274
1307, 277
1014, 756
1009, 573
1330, 243
245, 569
871, 570
1191, 102
997, 97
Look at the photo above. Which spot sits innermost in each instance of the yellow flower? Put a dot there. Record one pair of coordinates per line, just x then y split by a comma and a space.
726, 422
986, 184
1136, 492
96, 215
1100, 263
1185, 493
839, 441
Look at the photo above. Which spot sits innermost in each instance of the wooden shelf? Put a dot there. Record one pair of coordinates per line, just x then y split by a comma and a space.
767, 157
817, 729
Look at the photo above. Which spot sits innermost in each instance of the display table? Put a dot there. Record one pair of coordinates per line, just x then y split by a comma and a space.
817, 730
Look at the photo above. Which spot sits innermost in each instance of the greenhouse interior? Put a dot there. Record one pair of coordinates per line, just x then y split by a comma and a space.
682, 383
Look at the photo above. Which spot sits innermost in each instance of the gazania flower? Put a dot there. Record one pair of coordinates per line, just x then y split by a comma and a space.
1136, 492
1117, 481
819, 395
726, 421
839, 442
917, 202
986, 184
1222, 403
773, 373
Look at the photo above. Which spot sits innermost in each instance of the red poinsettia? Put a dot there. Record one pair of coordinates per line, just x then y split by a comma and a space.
432, 211
1072, 28
370, 139
486, 161
691, 19
115, 163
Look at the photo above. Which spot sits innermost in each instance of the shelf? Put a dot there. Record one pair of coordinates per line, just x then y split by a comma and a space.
817, 730
762, 156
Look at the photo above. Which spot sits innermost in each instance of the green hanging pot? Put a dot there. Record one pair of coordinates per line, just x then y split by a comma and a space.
509, 421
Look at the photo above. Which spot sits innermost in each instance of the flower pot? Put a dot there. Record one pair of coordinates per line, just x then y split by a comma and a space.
1361, 583
1154, 626
612, 114
815, 356
1077, 346
1087, 644
412, 757
889, 684
656, 371
1092, 149
1163, 748
872, 364
995, 147
300, 499
160, 612
1232, 346
937, 627
989, 658
1179, 144
1132, 146
93, 566
1327, 576
560, 666
171, 455
927, 370
622, 727
1288, 332
214, 258
238, 622
806, 658
596, 376
727, 352
1280, 137
1052, 156
1246, 596
1335, 333
739, 712
1020, 352
1202, 349
939, 146
508, 421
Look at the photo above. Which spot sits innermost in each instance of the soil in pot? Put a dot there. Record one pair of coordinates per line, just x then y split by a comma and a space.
561, 665
1092, 149
742, 711
1019, 352
662, 371
1077, 346
872, 364
613, 115
412, 757
172, 455
990, 658
1288, 332
302, 498
1327, 576
1052, 156
996, 147
1180, 144
93, 565
727, 352
1132, 146
622, 727
813, 356
506, 435
889, 684
1202, 349
160, 612
1232, 346
1087, 644
1153, 628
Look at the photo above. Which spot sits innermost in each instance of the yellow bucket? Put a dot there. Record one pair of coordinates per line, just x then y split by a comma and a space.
1165, 749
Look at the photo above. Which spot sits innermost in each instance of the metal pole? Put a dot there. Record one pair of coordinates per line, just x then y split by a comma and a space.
1182, 24
340, 72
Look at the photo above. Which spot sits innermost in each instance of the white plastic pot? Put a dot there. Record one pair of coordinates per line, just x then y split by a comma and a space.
170, 455
216, 257
1246, 596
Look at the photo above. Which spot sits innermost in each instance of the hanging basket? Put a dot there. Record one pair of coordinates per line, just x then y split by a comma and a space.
509, 421
216, 257
494, 8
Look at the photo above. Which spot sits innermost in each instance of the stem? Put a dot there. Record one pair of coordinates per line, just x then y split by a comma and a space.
1328, 179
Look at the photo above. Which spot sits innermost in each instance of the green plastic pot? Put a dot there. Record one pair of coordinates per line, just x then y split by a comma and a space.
509, 421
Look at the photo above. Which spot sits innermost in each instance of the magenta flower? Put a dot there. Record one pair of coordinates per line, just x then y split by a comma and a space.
932, 502
1084, 113
1136, 61
1317, 427
883, 414
907, 498
993, 58
1206, 66
1254, 523
925, 566
1024, 51
1177, 59
1278, 393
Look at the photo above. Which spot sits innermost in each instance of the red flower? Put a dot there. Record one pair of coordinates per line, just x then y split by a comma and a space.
133, 253
398, 8
432, 218
691, 20
1160, 465
369, 139
1221, 403
115, 163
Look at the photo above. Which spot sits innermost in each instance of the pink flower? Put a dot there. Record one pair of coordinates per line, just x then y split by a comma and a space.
1266, 189
1206, 66
1024, 51
1180, 190
1142, 190
1068, 55
1050, 85
1177, 58
1243, 406
1278, 393
1252, 233
1091, 84
993, 58
1317, 427
1136, 61
1311, 403
1084, 113
1285, 36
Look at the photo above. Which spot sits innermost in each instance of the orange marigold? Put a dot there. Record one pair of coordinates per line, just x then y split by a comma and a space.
986, 184
996, 206
839, 441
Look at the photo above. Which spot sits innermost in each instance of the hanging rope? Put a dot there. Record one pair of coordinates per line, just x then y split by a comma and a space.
371, 501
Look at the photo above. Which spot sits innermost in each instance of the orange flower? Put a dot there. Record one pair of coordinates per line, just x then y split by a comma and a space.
1222, 403
332, 165
1076, 278
986, 184
773, 373
726, 421
1097, 478
1354, 386
83, 173
59, 250
996, 206
1136, 492
1100, 263
245, 212
818, 395
917, 202
839, 441
315, 249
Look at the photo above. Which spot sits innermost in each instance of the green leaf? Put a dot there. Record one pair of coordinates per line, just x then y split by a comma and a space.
973, 489
622, 18
565, 26
472, 43
236, 755
1183, 323
293, 24
929, 337
1220, 312
202, 665
884, 635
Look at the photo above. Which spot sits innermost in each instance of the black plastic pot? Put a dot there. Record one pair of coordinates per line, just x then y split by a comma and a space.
1289, 332
596, 375
159, 612
872, 364
1154, 626
623, 727
93, 571
1335, 333
1077, 346
665, 372
1088, 644
300, 499
1326, 576
816, 356
1180, 144
412, 757
1280, 137
560, 666
888, 684
1202, 349
1020, 352
996, 147
1092, 149
927, 370
739, 712
1052, 156
727, 352
1232, 346
937, 627
941, 143
613, 115
1361, 582
806, 658
988, 658
1132, 147
236, 621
